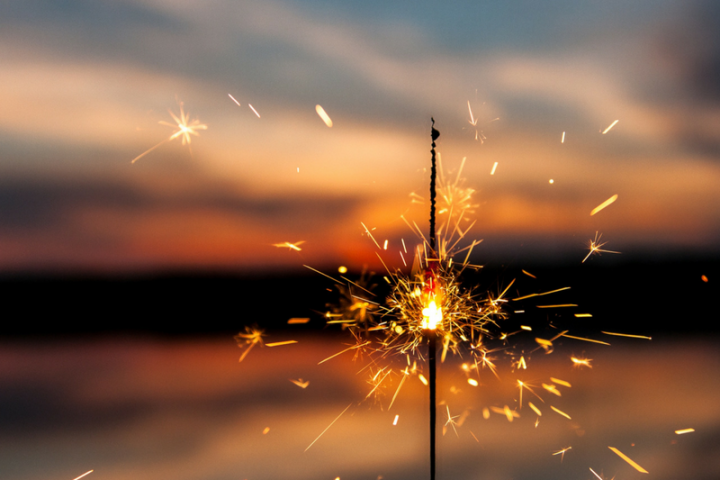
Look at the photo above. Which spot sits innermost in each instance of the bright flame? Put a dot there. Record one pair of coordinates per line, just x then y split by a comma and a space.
432, 316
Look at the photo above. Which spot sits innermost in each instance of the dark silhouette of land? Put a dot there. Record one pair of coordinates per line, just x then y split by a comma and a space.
634, 298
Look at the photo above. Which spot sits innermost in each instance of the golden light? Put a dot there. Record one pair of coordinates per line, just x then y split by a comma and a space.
432, 316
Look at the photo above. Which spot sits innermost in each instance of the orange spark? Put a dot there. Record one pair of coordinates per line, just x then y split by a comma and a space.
185, 128
298, 321
704, 278
627, 335
628, 460
328, 427
84, 474
607, 202
529, 274
473, 121
560, 382
685, 430
583, 315
611, 126
562, 453
233, 99
586, 339
562, 140
278, 344
560, 305
340, 353
402, 380
535, 409
266, 430
492, 172
509, 414
472, 382
595, 247
325, 117
581, 362
290, 246
538, 294
451, 420
423, 379
299, 382
552, 389
251, 337
253, 109
561, 412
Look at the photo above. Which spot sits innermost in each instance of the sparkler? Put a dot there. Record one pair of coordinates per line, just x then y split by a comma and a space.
429, 306
185, 128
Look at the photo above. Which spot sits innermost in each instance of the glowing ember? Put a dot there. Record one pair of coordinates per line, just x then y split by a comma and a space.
607, 202
396, 419
84, 474
325, 117
628, 460
684, 431
492, 172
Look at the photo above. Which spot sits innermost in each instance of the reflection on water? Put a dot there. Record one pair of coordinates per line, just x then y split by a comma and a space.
143, 409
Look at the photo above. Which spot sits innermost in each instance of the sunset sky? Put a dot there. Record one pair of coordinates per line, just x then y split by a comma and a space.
83, 85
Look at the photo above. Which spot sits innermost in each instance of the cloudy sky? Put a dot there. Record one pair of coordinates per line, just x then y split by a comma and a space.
84, 85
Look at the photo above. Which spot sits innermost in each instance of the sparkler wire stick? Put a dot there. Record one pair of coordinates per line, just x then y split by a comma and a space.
432, 336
